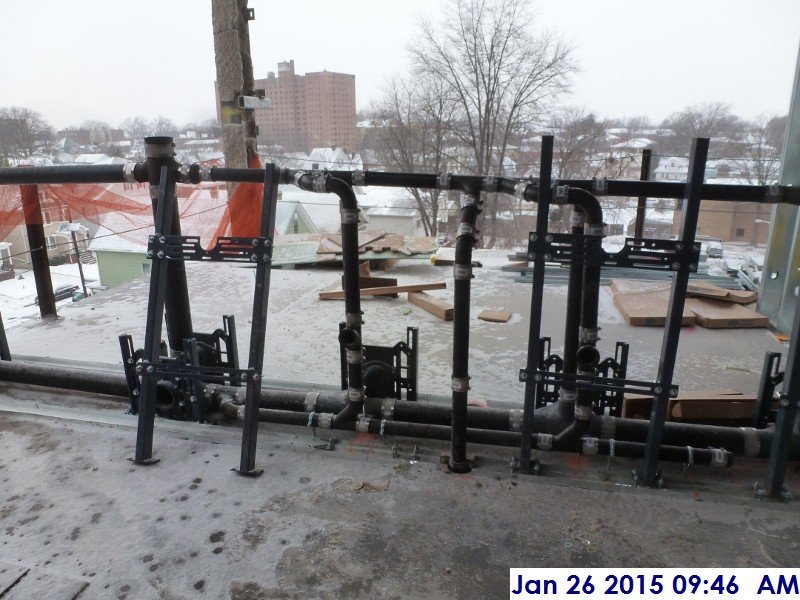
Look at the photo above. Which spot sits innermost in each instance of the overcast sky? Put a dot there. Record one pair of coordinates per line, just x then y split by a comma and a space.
111, 59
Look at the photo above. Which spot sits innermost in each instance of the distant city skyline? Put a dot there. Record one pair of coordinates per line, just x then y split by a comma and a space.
90, 59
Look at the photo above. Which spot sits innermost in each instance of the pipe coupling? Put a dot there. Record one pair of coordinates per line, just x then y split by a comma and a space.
387, 409
568, 395
689, 455
719, 458
358, 178
491, 184
599, 185
356, 394
515, 419
443, 181
608, 427
184, 174
590, 446
319, 183
311, 401
561, 192
463, 272
298, 176
588, 335
521, 188
460, 384
362, 425
157, 150
355, 357
593, 229
127, 172
324, 420
752, 443
583, 413
205, 173
466, 229
544, 441
353, 319
349, 215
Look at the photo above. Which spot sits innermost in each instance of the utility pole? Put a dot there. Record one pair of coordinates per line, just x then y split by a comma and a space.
234, 79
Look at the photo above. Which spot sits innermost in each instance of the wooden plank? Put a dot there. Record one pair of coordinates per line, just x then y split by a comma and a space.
640, 405
368, 237
449, 262
41, 584
329, 246
494, 316
373, 282
715, 314
394, 289
9, 575
648, 309
436, 306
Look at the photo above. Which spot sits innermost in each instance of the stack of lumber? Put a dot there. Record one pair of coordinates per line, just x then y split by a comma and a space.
645, 303
374, 245
695, 406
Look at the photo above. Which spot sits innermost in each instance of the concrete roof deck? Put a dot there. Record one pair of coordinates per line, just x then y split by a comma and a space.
355, 522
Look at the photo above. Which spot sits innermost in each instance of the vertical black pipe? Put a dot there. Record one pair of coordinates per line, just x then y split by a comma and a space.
572, 324
535, 323
5, 352
166, 207
787, 414
641, 206
247, 463
462, 273
160, 152
677, 299
37, 242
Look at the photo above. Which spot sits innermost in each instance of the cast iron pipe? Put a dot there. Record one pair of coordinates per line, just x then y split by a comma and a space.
160, 152
350, 337
683, 454
75, 174
462, 275
568, 392
742, 441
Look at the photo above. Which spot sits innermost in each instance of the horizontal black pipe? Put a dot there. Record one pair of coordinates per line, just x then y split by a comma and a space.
683, 454
733, 439
70, 174
652, 189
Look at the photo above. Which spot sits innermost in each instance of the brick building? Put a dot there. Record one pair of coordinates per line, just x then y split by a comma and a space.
308, 111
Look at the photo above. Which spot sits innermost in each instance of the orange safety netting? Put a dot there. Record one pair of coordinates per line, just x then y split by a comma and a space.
125, 210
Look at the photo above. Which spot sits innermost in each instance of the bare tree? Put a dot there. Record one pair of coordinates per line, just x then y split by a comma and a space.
414, 126
161, 125
763, 145
501, 75
713, 120
579, 143
136, 128
22, 132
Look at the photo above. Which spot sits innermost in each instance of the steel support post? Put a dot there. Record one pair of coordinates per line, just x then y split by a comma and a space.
160, 152
641, 206
677, 300
165, 210
535, 325
770, 377
37, 245
247, 464
786, 420
5, 353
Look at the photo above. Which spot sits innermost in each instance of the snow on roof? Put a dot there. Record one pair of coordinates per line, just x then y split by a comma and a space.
284, 215
390, 211
635, 143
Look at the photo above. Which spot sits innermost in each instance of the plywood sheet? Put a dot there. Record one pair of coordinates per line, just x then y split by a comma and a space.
626, 286
40, 584
716, 314
648, 309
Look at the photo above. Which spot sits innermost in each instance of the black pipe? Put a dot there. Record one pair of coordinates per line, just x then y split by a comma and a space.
462, 274
177, 311
74, 174
641, 205
572, 322
682, 454
351, 335
37, 244
742, 441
